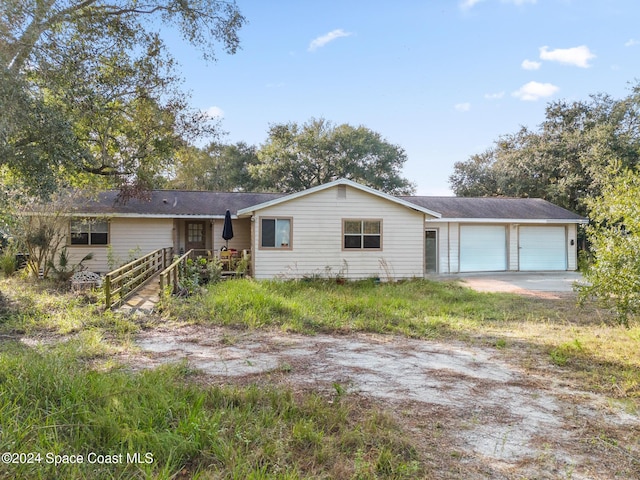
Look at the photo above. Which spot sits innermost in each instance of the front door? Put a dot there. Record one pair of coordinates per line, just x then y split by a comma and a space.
196, 236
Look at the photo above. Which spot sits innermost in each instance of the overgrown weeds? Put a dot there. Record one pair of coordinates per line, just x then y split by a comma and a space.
585, 341
54, 399
161, 424
63, 395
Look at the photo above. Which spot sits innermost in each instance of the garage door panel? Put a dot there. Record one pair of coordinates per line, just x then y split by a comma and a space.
542, 248
483, 248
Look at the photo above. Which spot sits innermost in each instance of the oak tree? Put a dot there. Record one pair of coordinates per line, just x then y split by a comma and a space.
562, 161
98, 72
296, 157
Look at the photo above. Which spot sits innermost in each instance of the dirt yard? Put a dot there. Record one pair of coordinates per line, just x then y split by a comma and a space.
475, 412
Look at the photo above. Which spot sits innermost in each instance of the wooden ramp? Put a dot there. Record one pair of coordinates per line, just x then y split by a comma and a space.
145, 299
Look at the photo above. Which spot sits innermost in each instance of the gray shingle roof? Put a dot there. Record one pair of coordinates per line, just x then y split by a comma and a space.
180, 203
175, 203
494, 207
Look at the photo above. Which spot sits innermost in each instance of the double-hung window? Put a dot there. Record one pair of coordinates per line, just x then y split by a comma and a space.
362, 234
275, 233
87, 231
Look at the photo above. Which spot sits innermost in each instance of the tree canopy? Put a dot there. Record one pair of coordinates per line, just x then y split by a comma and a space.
217, 167
564, 160
296, 157
614, 234
89, 91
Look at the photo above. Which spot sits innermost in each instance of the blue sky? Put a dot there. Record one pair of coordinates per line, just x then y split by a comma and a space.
441, 78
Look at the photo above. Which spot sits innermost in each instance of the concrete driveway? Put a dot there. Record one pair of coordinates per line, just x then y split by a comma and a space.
521, 282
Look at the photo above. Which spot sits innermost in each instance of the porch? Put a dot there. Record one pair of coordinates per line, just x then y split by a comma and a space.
204, 237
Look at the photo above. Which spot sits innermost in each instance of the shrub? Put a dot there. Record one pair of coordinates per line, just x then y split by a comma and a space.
8, 262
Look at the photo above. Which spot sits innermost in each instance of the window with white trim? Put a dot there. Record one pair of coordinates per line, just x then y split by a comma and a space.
362, 234
89, 231
275, 233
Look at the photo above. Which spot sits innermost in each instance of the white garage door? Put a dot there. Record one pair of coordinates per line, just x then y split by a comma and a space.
543, 248
483, 248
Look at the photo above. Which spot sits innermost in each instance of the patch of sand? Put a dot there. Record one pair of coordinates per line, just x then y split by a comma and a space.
502, 419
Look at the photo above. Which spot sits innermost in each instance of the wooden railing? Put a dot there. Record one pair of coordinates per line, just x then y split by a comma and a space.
171, 276
124, 281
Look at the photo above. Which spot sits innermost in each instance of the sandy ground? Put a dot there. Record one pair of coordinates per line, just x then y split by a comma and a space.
474, 412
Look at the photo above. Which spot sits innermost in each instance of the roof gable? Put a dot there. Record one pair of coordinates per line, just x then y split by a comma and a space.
341, 181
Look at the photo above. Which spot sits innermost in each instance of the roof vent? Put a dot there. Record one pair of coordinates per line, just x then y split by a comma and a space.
342, 192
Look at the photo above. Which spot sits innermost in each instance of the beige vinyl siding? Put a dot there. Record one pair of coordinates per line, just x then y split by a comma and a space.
241, 235
317, 239
454, 247
443, 243
512, 248
128, 237
572, 252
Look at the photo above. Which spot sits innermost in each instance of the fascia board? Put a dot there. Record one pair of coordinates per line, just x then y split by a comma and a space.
512, 220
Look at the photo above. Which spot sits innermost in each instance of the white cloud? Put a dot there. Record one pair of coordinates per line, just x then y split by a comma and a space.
576, 56
494, 96
534, 91
214, 112
322, 40
530, 65
467, 4
462, 107
631, 42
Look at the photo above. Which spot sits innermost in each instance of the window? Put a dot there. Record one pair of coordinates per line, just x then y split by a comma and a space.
89, 232
275, 233
362, 234
195, 232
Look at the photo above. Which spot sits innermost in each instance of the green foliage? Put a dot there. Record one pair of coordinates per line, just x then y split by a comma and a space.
418, 308
218, 167
198, 272
64, 270
564, 160
88, 90
53, 402
37, 141
614, 235
296, 157
8, 259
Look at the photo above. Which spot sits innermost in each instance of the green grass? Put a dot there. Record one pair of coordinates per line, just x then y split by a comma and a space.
55, 404
417, 308
585, 341
61, 394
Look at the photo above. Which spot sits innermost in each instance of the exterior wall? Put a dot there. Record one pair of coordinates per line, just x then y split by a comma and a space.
241, 235
449, 245
180, 239
454, 247
572, 246
443, 244
513, 257
129, 238
317, 240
